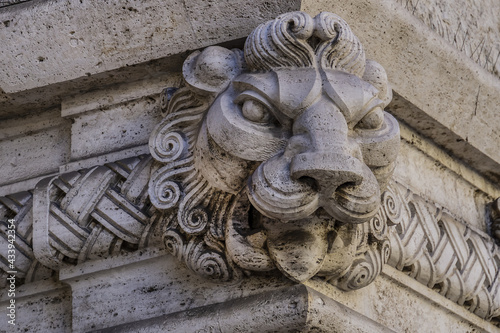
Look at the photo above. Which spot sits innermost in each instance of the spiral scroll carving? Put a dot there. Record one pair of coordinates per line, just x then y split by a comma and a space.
243, 190
391, 207
366, 268
341, 49
200, 258
195, 221
168, 146
281, 43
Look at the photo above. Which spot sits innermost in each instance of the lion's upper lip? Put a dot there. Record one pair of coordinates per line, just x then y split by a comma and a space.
344, 194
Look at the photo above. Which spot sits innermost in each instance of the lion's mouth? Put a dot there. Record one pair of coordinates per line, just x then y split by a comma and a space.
299, 248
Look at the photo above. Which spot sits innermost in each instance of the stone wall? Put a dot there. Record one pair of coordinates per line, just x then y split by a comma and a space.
471, 27
82, 91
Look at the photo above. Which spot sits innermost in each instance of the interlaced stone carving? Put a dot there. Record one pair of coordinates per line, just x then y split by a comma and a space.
442, 253
18, 207
77, 216
275, 157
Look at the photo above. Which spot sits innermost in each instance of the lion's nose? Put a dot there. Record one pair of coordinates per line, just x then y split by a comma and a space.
324, 153
329, 169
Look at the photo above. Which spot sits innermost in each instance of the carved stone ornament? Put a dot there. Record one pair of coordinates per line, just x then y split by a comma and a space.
78, 216
275, 157
442, 252
278, 157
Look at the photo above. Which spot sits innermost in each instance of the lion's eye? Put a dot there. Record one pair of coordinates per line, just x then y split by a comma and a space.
373, 120
255, 111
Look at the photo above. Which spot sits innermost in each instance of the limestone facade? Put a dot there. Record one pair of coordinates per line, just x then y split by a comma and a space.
234, 166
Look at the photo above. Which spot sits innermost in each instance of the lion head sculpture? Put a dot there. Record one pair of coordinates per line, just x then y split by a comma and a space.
275, 157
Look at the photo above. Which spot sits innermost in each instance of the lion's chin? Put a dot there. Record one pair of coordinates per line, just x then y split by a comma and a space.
298, 248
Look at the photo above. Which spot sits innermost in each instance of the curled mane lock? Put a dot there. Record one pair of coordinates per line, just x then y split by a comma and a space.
297, 40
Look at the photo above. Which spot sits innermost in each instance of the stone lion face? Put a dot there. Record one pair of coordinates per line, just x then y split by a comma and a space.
275, 156
300, 140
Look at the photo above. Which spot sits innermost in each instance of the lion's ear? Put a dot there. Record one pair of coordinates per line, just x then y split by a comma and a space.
211, 70
376, 75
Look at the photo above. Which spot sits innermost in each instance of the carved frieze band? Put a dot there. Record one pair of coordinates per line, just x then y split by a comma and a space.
441, 252
82, 215
22, 260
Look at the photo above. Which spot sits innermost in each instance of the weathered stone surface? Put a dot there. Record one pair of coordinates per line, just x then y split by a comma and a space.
440, 241
146, 285
121, 126
452, 62
80, 39
104, 159
404, 305
466, 198
33, 146
212, 228
448, 90
120, 117
40, 307
471, 27
6, 3
297, 309
394, 300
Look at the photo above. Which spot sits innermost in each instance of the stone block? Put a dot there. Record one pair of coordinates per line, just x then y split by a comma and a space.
82, 38
145, 285
290, 309
33, 146
151, 292
40, 307
430, 178
120, 126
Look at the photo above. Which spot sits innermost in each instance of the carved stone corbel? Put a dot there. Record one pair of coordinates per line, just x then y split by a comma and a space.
275, 157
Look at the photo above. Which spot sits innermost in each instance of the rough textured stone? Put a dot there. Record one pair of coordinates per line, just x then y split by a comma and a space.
404, 305
297, 308
470, 26
446, 88
435, 220
120, 117
146, 285
442, 185
40, 307
394, 300
33, 146
78, 38
118, 127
